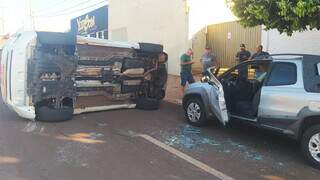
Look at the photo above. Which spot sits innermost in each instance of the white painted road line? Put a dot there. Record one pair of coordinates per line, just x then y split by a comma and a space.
187, 158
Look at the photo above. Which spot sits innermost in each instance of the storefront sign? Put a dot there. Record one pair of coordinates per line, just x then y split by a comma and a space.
91, 22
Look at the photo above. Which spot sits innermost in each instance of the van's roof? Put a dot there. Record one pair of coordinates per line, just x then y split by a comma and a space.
104, 42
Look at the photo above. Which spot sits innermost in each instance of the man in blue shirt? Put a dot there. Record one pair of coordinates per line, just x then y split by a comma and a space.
208, 60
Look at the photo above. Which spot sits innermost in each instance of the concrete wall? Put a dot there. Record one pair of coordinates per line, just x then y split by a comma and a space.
300, 42
164, 22
199, 42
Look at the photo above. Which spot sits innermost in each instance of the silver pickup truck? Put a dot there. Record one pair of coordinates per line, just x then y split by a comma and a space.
281, 93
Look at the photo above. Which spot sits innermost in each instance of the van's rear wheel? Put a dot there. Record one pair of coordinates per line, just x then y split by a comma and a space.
195, 112
310, 145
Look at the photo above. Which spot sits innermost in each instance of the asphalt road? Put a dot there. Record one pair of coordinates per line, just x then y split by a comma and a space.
101, 146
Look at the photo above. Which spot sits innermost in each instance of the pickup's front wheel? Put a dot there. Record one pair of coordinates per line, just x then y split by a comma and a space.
195, 112
310, 145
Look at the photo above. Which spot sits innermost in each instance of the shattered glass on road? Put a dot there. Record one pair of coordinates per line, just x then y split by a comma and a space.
191, 138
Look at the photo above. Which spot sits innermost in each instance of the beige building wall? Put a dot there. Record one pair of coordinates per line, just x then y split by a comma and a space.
164, 22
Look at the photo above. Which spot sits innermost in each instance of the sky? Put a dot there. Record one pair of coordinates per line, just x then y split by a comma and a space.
48, 15
55, 15
206, 12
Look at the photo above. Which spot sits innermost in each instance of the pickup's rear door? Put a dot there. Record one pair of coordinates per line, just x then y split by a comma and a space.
281, 98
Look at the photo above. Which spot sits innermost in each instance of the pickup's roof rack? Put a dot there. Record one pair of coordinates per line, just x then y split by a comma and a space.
296, 56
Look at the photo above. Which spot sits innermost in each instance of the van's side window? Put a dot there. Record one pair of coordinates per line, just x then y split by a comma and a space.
282, 73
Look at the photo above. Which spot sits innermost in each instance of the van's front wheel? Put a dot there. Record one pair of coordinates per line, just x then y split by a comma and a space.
48, 114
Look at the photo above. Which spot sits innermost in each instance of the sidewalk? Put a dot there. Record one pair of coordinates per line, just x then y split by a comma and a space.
174, 93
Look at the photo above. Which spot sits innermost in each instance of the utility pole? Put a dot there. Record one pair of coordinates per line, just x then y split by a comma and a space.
29, 22
31, 16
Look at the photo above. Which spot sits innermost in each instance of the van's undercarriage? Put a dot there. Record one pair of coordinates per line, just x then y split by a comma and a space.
67, 77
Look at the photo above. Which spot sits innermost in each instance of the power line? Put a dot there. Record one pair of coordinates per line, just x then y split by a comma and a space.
52, 5
67, 10
66, 13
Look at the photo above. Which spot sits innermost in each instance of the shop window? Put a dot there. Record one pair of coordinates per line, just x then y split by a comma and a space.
105, 35
100, 35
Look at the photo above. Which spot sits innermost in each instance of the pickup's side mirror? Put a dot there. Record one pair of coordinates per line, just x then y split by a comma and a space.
205, 79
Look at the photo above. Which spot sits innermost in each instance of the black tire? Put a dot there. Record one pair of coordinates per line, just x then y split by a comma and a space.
151, 48
47, 114
148, 104
307, 135
132, 64
202, 120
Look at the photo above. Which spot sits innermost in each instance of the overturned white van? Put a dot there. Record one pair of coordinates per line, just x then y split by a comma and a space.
50, 76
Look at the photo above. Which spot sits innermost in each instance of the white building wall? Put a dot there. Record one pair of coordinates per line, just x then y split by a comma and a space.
300, 42
164, 22
174, 23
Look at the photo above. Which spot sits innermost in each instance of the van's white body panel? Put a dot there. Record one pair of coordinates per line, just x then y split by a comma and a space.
15, 56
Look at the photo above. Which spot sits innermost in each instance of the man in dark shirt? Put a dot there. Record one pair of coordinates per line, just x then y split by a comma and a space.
243, 54
260, 54
186, 69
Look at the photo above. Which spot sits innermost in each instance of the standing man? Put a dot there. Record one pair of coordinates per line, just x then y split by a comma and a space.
208, 60
260, 54
186, 69
243, 54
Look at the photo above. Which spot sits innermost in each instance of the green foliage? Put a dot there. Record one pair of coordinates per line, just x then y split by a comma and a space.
285, 15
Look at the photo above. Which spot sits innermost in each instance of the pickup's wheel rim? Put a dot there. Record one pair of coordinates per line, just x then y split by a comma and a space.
314, 147
194, 112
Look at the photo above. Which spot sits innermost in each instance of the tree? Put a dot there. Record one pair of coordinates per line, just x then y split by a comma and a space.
285, 15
